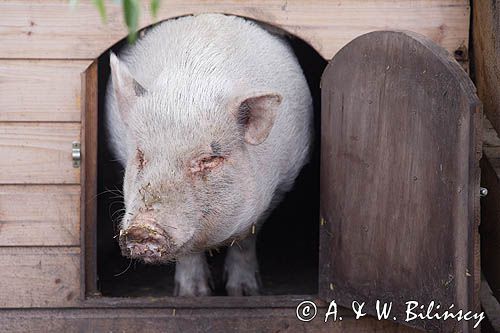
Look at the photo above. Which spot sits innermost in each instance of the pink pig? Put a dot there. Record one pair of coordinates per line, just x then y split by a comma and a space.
211, 116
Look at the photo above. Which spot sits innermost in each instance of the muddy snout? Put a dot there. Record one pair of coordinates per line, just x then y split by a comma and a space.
145, 240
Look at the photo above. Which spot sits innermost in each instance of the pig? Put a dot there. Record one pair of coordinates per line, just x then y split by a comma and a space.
211, 117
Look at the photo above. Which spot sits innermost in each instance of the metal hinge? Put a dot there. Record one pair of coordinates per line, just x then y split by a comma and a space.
483, 191
76, 154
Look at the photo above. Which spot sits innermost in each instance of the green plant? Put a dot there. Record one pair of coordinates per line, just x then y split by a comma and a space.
131, 11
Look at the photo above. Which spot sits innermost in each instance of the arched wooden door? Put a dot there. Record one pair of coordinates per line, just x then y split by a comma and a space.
400, 149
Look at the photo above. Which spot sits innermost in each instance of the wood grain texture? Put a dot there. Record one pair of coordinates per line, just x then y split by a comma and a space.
178, 320
486, 47
50, 29
39, 215
47, 90
212, 302
400, 148
89, 180
38, 153
39, 277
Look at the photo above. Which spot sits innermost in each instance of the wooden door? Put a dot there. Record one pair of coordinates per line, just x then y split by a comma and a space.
400, 147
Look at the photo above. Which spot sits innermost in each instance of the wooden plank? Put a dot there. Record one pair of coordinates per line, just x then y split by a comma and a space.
47, 90
39, 276
89, 180
39, 215
400, 149
213, 302
189, 320
50, 29
486, 49
38, 153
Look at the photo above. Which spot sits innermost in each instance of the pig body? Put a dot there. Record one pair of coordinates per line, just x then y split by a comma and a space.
211, 116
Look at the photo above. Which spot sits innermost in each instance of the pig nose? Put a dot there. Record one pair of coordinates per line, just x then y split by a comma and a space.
146, 241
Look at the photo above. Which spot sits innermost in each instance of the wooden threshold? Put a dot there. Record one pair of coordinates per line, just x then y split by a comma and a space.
184, 320
281, 301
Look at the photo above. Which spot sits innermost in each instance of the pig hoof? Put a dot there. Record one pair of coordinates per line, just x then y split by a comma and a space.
194, 287
242, 283
192, 276
241, 269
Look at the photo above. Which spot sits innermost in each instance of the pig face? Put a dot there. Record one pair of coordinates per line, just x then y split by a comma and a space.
188, 177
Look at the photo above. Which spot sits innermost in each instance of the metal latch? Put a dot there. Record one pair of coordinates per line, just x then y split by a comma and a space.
483, 191
76, 154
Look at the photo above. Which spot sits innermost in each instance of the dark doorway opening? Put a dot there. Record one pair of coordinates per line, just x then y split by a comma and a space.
287, 245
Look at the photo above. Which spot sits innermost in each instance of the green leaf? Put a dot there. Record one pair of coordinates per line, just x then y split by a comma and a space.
131, 11
102, 9
155, 5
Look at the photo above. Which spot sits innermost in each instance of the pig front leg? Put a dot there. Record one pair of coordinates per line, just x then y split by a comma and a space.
192, 276
241, 268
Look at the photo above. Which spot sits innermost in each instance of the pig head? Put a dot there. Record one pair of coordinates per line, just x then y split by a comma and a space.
193, 177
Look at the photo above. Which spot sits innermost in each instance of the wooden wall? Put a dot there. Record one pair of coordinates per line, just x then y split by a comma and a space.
486, 65
39, 188
486, 49
50, 29
45, 46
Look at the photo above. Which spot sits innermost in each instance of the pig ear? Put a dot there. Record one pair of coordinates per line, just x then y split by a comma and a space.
126, 88
257, 114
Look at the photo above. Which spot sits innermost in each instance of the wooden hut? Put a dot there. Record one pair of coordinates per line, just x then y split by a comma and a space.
50, 85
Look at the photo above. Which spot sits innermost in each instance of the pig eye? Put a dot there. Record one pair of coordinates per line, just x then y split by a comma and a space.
206, 163
140, 160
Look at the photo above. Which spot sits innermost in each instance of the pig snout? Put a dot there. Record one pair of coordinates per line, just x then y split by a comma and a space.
144, 239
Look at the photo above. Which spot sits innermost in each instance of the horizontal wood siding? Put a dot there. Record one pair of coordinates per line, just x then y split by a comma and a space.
39, 276
39, 188
39, 215
52, 29
38, 153
47, 90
